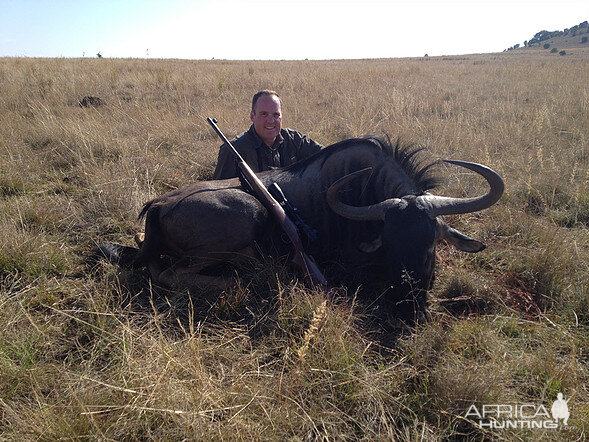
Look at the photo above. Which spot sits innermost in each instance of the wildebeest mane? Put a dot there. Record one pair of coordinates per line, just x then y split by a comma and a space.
405, 155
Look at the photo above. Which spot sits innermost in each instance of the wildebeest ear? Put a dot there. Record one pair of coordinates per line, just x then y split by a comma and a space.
459, 239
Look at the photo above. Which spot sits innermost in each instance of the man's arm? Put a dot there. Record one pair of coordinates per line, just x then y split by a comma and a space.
226, 167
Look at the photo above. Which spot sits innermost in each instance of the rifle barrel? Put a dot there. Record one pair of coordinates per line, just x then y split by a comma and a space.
213, 123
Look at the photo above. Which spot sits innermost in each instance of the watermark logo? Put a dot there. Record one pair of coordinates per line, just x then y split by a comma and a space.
518, 416
560, 409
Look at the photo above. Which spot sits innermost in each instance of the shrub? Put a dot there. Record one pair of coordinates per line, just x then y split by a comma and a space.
562, 53
554, 50
546, 45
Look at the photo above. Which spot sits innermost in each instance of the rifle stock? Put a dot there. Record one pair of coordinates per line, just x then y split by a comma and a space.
312, 273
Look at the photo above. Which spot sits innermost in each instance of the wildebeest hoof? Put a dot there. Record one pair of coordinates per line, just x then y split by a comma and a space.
114, 253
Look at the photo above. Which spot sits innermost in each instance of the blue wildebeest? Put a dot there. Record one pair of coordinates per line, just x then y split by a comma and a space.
368, 201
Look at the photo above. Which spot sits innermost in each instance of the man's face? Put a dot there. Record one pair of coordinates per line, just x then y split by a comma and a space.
267, 118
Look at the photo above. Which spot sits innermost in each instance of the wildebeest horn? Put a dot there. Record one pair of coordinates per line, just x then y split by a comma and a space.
440, 205
434, 205
365, 213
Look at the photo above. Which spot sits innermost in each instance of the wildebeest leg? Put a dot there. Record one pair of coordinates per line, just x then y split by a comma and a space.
114, 253
189, 278
186, 273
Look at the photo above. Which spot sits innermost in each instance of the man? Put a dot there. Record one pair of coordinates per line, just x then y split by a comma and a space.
266, 144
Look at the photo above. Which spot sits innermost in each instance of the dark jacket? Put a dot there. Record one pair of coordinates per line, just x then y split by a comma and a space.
288, 148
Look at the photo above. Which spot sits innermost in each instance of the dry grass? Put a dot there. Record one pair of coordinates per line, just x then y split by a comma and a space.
97, 354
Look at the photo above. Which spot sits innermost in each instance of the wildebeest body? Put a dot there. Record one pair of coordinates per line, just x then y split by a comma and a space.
383, 217
218, 216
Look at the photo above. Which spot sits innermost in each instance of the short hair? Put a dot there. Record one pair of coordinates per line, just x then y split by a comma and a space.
267, 92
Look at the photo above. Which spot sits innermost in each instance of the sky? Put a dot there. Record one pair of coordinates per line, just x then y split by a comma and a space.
274, 30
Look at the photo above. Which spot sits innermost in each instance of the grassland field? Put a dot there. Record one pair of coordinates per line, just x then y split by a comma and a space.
97, 353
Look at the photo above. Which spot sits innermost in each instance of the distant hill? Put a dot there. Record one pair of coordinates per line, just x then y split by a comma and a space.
555, 41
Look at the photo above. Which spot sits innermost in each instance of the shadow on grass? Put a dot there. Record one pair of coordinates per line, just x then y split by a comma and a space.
260, 300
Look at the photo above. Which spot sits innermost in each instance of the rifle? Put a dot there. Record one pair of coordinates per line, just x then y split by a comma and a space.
312, 274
